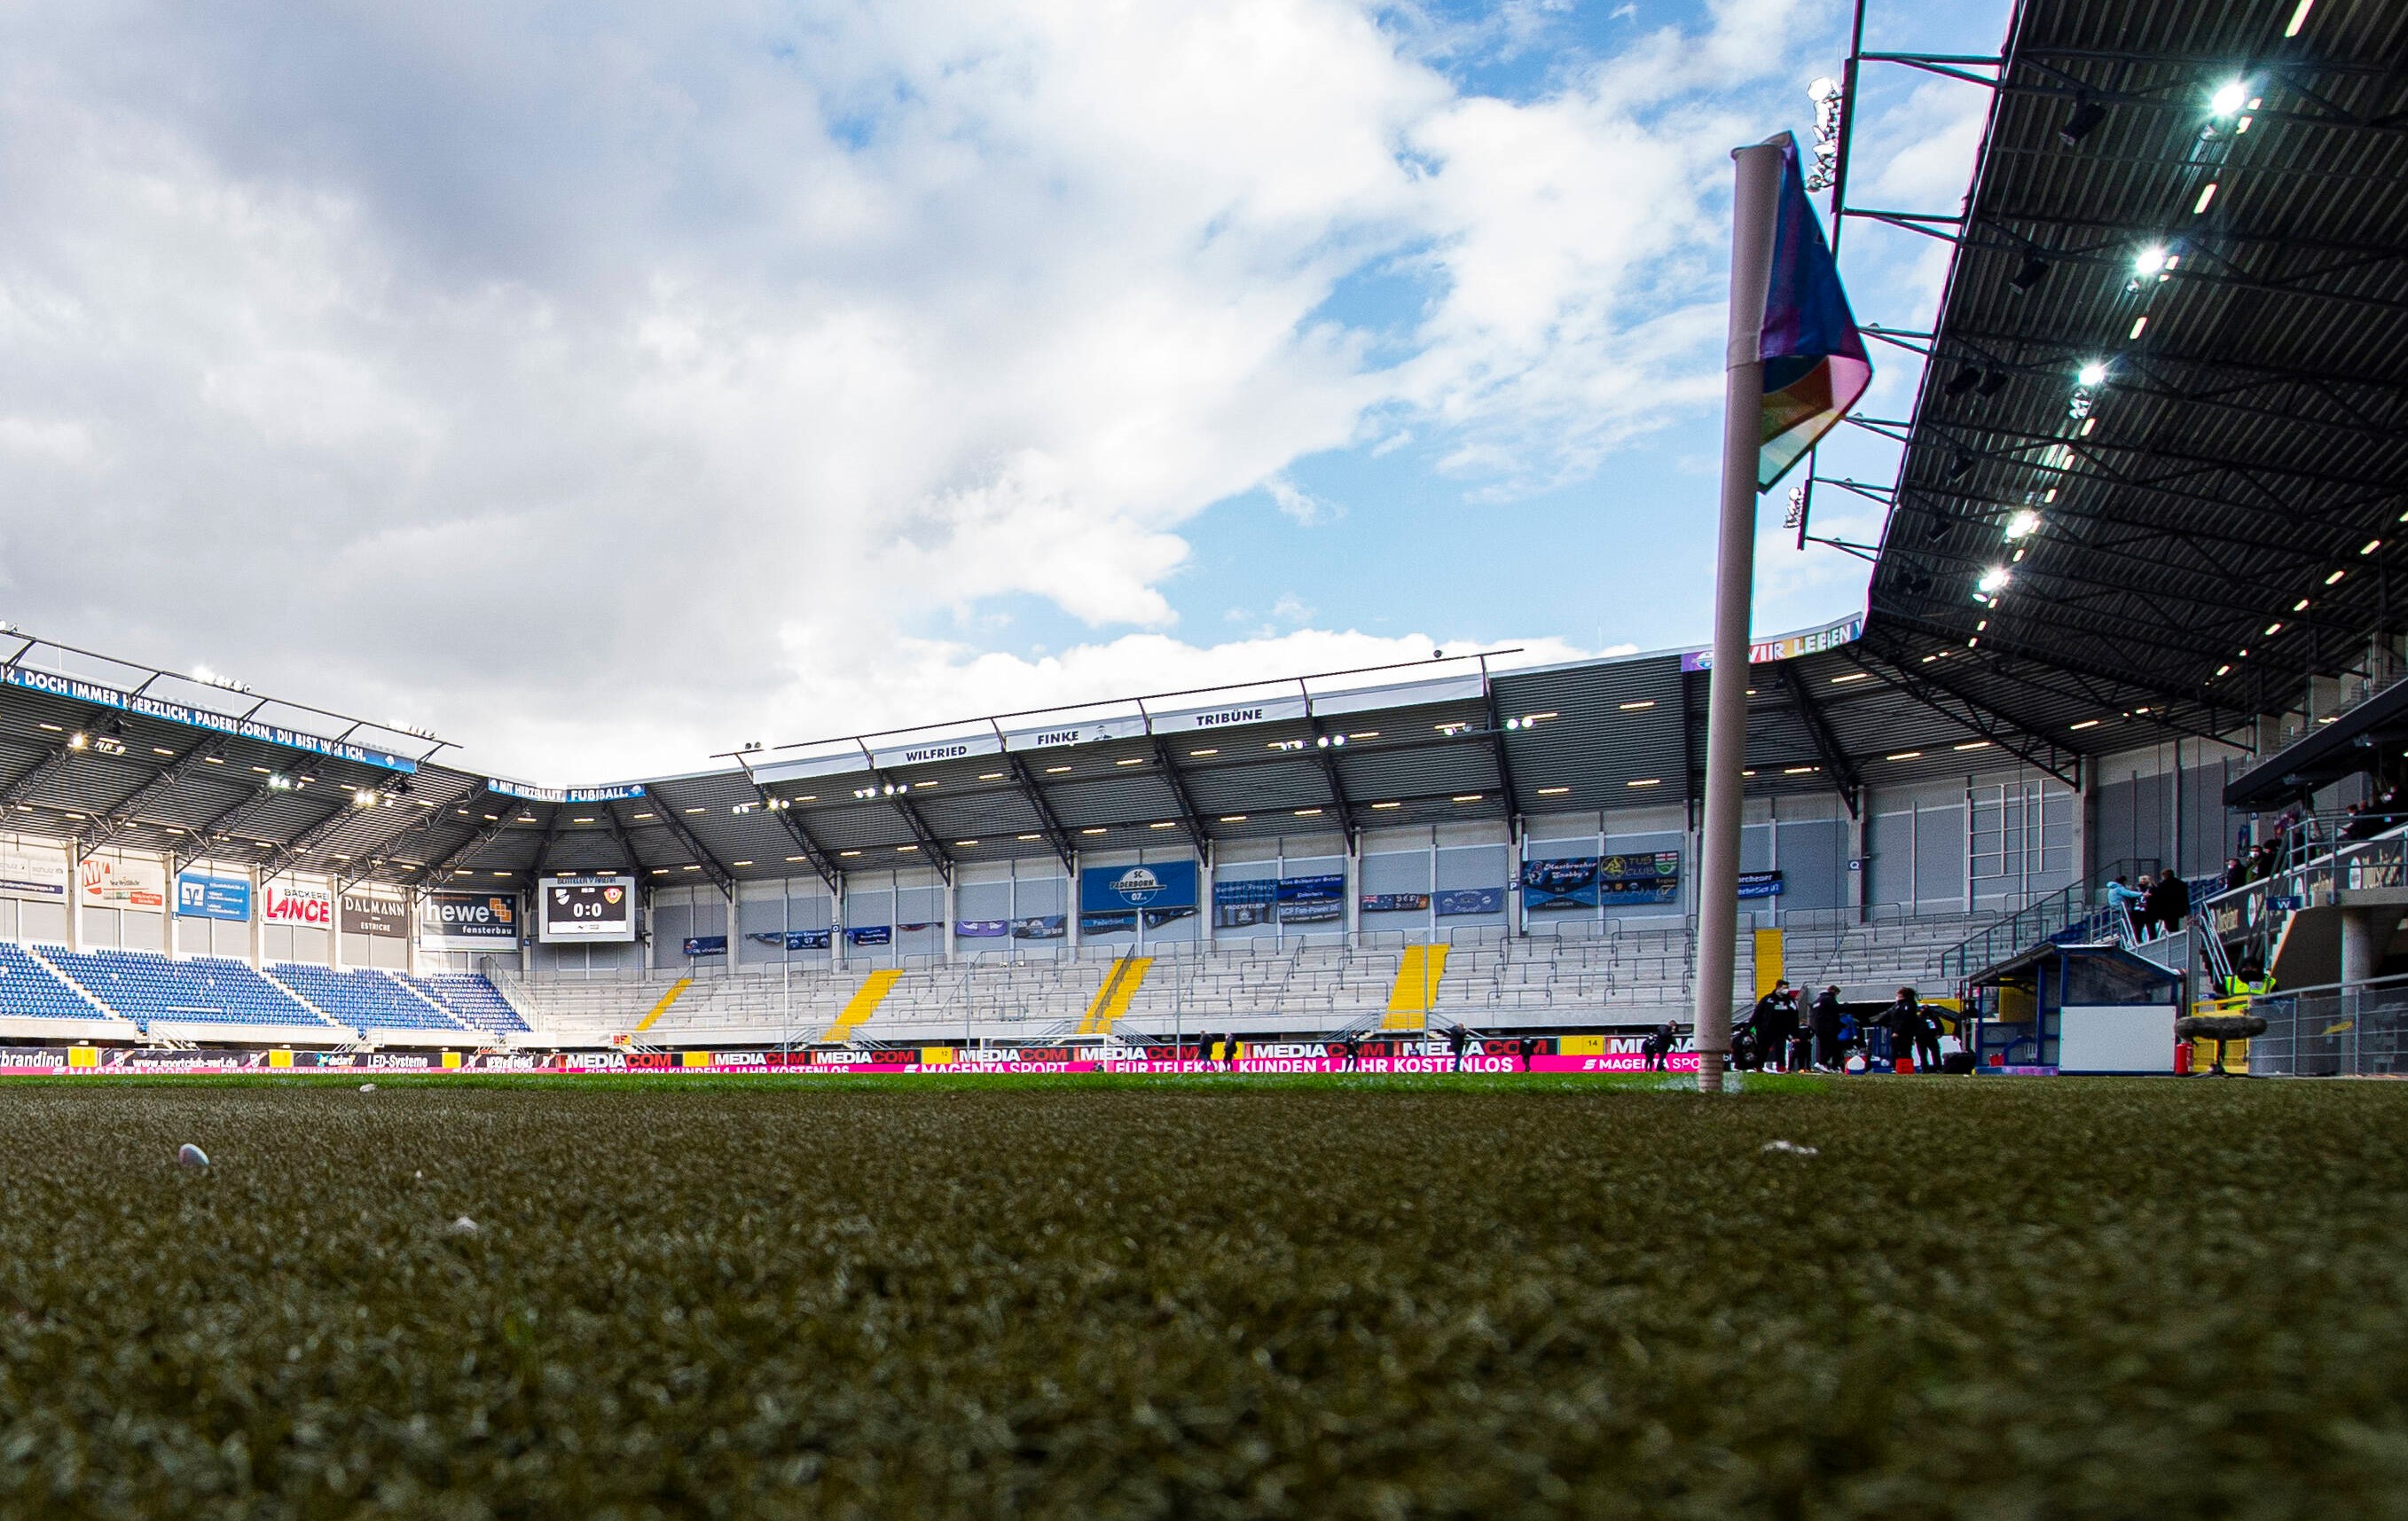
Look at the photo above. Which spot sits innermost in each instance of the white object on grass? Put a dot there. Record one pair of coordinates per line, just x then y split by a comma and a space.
189, 1154
464, 1227
1793, 1148
367, 1087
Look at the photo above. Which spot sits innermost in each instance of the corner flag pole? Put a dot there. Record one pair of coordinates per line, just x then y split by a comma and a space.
1752, 212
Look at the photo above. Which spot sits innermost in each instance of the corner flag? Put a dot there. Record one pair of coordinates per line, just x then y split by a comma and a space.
1815, 363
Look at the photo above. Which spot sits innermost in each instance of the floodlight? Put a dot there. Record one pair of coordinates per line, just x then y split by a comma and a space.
2023, 525
2152, 260
2092, 373
1993, 581
2228, 99
2033, 271
2086, 118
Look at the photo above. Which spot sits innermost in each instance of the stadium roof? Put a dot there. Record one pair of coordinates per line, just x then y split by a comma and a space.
2240, 452
2175, 333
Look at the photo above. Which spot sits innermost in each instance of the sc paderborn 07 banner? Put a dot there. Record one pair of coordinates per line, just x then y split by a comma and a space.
1815, 360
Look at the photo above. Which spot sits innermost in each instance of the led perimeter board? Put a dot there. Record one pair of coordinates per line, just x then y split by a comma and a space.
587, 909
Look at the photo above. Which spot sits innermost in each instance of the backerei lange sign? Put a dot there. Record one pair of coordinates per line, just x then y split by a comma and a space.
469, 921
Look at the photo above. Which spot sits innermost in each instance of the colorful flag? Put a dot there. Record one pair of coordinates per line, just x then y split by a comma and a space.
1814, 364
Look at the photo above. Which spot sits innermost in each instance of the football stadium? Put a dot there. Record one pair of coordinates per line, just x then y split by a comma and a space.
1284, 1098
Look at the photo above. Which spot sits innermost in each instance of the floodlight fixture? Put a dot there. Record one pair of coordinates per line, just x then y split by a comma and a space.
2092, 375
2086, 116
2152, 260
2022, 525
1993, 581
2033, 270
2228, 98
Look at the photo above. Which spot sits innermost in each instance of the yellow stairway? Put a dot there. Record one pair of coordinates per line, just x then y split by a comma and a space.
1416, 989
1112, 1000
662, 1007
863, 1004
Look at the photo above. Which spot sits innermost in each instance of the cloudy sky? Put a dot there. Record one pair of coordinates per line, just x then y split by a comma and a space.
601, 386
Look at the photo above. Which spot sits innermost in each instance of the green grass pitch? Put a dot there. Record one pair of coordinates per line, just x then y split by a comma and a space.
1223, 1297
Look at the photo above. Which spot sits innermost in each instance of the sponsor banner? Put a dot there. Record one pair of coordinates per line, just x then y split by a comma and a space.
209, 895
1086, 731
1582, 881
1164, 884
1041, 927
1787, 646
706, 945
587, 909
1231, 715
1759, 884
1457, 901
870, 935
468, 921
112, 883
384, 915
1395, 902
201, 718
794, 940
617, 792
1593, 1054
1469, 687
281, 903
1309, 900
32, 870
1108, 924
928, 752
982, 929
1237, 905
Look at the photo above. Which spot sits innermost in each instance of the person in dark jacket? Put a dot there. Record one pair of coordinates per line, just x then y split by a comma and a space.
1526, 1048
1926, 1039
1900, 1021
1774, 1015
1456, 1038
1658, 1046
2171, 907
1825, 1024
1352, 1046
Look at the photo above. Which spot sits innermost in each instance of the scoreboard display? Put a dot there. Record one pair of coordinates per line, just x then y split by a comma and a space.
588, 908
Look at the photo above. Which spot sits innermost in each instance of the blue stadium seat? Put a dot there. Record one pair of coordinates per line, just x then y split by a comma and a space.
474, 1000
28, 990
364, 999
146, 988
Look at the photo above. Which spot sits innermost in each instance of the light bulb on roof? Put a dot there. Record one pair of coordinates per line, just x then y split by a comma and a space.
2152, 260
2093, 373
1993, 581
2227, 100
2023, 525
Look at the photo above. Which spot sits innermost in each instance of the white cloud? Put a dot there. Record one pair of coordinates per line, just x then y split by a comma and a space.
594, 384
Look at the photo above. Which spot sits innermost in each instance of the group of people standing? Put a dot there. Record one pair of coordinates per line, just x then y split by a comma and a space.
2157, 907
1779, 1036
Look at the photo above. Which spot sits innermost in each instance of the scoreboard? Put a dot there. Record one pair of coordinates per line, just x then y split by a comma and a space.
588, 908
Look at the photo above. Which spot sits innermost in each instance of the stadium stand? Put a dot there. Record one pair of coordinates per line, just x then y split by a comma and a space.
154, 992
368, 1000
471, 999
29, 989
